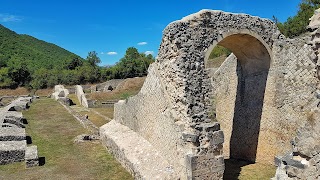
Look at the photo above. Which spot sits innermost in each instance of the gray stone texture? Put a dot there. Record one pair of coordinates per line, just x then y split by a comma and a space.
82, 97
60, 92
13, 139
260, 95
31, 156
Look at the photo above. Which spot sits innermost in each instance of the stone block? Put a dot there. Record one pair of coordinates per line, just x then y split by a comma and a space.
12, 134
190, 137
31, 156
217, 137
12, 151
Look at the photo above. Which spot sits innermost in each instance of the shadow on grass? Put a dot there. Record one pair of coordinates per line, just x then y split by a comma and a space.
233, 168
42, 161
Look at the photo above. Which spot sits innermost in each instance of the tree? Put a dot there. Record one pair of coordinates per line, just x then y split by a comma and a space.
19, 72
297, 25
131, 65
5, 80
73, 62
93, 58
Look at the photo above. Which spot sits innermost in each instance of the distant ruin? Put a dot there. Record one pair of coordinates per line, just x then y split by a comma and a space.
189, 117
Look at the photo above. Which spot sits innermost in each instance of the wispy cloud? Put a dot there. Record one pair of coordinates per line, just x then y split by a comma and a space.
102, 53
112, 53
142, 43
148, 52
9, 18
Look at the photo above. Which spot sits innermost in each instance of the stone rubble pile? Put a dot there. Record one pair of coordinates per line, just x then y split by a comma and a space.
13, 138
303, 161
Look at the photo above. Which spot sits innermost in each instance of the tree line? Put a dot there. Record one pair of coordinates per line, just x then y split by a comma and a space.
74, 70
297, 25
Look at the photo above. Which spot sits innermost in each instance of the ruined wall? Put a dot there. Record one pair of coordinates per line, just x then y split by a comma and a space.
259, 100
149, 114
59, 92
81, 96
289, 97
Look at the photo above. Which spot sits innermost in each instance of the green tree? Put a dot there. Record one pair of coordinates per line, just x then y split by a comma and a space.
73, 62
131, 65
297, 25
5, 80
19, 72
93, 58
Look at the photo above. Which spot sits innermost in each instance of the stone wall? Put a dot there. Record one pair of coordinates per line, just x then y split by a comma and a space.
13, 139
156, 123
261, 95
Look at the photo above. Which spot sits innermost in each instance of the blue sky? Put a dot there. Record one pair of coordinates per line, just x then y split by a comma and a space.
109, 27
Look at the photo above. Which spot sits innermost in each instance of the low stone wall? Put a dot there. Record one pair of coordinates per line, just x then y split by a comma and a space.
13, 139
136, 154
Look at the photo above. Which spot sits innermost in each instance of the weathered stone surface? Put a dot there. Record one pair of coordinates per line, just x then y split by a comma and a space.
31, 156
13, 139
81, 96
134, 153
12, 151
60, 92
260, 95
12, 134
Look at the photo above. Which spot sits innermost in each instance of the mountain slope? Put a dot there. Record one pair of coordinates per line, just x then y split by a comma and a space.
35, 53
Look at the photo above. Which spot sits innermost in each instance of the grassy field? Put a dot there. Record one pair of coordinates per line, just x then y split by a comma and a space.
24, 91
126, 89
14, 92
53, 130
237, 169
95, 118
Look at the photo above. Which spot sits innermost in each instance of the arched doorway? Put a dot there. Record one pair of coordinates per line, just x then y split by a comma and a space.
252, 67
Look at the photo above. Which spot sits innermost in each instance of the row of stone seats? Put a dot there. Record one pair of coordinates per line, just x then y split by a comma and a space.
13, 139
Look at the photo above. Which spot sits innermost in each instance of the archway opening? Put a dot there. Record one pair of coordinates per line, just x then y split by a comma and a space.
239, 105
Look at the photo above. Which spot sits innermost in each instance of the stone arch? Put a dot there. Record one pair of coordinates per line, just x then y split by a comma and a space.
253, 63
172, 111
181, 60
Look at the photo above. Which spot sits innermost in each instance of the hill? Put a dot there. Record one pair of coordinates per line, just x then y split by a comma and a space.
21, 56
35, 64
36, 53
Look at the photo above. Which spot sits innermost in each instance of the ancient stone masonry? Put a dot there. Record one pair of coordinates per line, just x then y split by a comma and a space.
250, 107
82, 97
13, 138
303, 160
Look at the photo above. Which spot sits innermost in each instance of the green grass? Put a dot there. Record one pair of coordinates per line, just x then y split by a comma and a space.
53, 129
237, 169
93, 117
107, 111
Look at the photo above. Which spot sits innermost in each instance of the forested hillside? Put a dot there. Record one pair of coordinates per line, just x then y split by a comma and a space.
29, 62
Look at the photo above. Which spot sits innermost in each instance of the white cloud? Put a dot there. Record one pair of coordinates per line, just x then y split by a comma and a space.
148, 52
9, 18
142, 43
112, 53
102, 53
